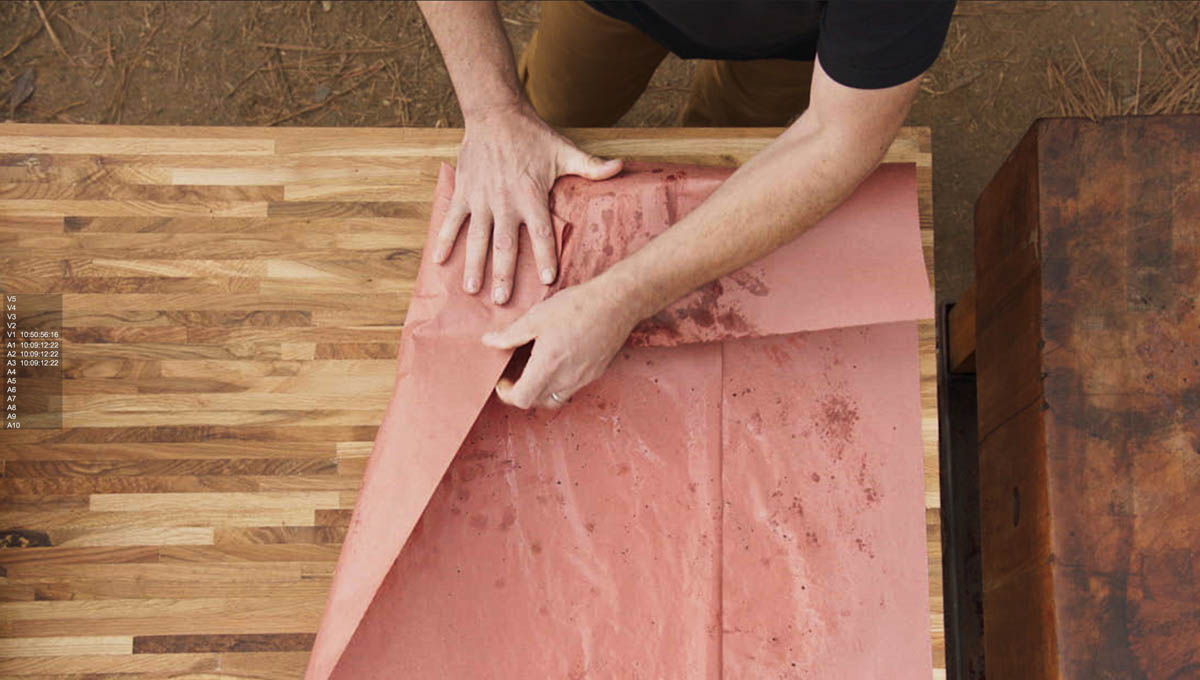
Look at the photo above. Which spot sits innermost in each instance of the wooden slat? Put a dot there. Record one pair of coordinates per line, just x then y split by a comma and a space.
134, 536
84, 208
147, 616
960, 333
83, 588
64, 646
121, 666
137, 452
82, 518
91, 470
265, 665
199, 502
57, 142
176, 644
232, 300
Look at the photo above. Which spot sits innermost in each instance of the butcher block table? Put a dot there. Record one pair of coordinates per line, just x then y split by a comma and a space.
232, 300
1087, 350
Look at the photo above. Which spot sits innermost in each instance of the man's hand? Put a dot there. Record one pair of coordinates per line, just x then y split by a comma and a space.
576, 334
508, 161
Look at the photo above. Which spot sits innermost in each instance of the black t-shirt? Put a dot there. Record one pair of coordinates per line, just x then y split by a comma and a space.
864, 45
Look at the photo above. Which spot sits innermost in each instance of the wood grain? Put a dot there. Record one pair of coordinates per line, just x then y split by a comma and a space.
232, 300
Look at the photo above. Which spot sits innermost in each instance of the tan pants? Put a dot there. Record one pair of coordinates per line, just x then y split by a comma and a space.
583, 68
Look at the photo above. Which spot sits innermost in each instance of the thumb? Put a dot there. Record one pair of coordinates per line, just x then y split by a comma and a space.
576, 162
516, 334
504, 390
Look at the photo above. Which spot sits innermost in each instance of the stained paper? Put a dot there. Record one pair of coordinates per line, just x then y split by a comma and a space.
739, 496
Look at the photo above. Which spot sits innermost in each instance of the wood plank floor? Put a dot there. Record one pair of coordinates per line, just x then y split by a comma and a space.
232, 302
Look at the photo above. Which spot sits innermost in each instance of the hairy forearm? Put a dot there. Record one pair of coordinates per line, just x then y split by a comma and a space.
773, 198
478, 56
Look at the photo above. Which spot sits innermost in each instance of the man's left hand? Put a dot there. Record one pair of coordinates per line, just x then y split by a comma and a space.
576, 334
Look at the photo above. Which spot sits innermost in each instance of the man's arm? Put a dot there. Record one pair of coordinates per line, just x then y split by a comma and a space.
777, 195
477, 55
773, 198
509, 157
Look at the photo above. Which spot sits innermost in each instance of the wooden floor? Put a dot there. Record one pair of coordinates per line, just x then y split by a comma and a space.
232, 303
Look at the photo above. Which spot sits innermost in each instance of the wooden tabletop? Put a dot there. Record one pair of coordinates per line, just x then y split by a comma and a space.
232, 301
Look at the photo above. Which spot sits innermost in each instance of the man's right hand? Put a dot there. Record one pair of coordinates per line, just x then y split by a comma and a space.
508, 161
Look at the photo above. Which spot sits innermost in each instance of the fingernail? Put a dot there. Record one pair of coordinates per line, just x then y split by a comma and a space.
498, 294
547, 275
472, 285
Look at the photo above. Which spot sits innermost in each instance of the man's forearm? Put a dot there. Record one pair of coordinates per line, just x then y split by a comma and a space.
477, 55
777, 195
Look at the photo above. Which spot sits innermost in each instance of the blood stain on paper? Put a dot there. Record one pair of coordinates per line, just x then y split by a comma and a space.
797, 506
477, 454
837, 419
755, 425
661, 323
702, 309
864, 547
703, 316
507, 519
734, 322
750, 283
778, 354
469, 472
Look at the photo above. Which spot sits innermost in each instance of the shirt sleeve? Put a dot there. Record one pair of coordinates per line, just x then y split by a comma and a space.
872, 45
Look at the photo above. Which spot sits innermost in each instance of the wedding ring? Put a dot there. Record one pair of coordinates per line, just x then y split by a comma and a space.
556, 397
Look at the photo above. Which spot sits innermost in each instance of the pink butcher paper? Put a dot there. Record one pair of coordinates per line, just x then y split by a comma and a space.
739, 496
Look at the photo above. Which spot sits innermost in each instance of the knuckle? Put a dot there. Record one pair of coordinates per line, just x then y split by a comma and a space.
452, 219
504, 242
541, 229
553, 355
450, 227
